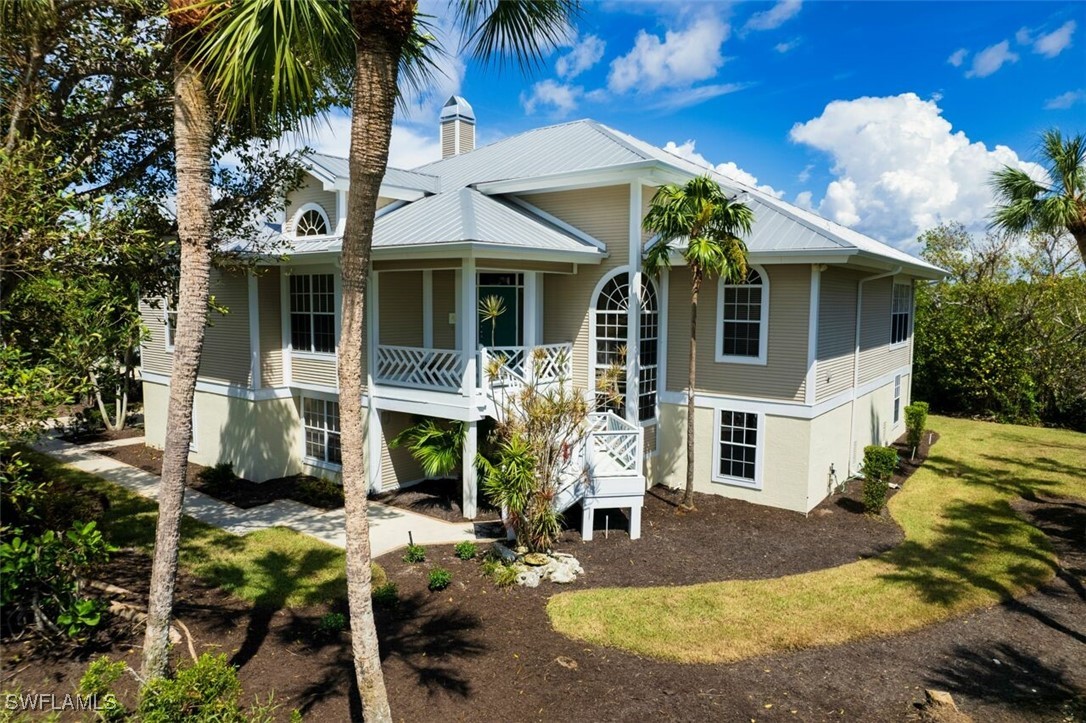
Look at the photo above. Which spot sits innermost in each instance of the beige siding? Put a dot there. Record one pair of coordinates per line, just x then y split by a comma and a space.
448, 140
603, 213
271, 329
400, 308
877, 357
444, 304
383, 201
226, 344
153, 354
320, 370
311, 191
415, 264
551, 267
784, 374
836, 333
397, 465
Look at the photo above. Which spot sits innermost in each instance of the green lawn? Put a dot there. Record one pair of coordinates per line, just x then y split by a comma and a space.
964, 548
277, 567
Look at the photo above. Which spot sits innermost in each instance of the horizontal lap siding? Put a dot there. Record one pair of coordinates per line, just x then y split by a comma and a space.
225, 356
311, 191
397, 465
400, 308
783, 377
877, 358
153, 354
604, 214
314, 370
444, 297
271, 329
836, 333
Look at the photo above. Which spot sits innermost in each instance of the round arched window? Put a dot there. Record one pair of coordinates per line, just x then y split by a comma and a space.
311, 223
611, 319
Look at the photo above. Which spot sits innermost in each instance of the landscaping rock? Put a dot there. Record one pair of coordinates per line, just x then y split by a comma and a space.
529, 578
504, 553
562, 575
536, 559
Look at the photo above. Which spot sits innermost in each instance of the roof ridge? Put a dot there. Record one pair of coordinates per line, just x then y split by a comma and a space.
508, 138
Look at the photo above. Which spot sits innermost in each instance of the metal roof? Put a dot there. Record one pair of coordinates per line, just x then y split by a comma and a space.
456, 107
396, 177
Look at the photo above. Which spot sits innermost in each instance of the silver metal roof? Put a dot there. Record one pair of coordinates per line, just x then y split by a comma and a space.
396, 177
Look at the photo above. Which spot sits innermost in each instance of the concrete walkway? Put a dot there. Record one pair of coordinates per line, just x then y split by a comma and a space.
389, 526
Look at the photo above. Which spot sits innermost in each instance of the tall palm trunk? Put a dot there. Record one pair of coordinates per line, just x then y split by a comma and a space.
192, 129
695, 287
383, 28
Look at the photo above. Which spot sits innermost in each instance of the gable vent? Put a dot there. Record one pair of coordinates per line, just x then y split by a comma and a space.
457, 127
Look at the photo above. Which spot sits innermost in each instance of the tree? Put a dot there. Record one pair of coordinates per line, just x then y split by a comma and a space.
1058, 204
702, 216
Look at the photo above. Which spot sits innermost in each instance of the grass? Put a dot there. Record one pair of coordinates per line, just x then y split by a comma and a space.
964, 548
276, 567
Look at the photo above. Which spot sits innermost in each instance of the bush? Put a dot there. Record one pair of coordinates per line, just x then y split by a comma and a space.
466, 550
386, 595
332, 624
208, 691
878, 468
916, 416
439, 578
318, 492
98, 681
217, 480
415, 553
378, 576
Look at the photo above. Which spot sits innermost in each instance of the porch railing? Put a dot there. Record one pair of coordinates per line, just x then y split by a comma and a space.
439, 369
516, 366
615, 442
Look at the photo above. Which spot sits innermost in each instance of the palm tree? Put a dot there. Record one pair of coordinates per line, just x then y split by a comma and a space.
700, 214
200, 86
385, 34
1057, 205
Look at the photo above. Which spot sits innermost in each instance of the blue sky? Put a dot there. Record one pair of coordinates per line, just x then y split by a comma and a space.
884, 116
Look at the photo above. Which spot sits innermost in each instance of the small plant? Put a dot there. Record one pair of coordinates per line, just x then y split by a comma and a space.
317, 492
386, 595
98, 681
217, 480
916, 416
332, 624
439, 578
466, 550
415, 553
878, 468
501, 574
208, 690
378, 576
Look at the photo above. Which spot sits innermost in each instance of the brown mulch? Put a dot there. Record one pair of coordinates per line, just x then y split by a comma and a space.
437, 498
102, 435
148, 459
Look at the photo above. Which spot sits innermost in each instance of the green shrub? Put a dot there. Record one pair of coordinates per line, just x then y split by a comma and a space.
916, 416
217, 480
501, 574
318, 492
207, 691
415, 553
386, 595
466, 550
378, 576
439, 578
878, 467
332, 624
98, 681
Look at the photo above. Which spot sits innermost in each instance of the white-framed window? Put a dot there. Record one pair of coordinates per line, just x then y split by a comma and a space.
313, 313
610, 331
897, 399
311, 220
739, 445
320, 427
742, 313
900, 313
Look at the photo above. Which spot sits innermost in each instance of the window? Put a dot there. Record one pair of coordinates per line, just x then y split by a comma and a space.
610, 327
313, 313
737, 449
743, 314
320, 418
897, 399
169, 315
899, 315
310, 221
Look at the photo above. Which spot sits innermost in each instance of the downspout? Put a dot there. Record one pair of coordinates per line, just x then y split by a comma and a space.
856, 361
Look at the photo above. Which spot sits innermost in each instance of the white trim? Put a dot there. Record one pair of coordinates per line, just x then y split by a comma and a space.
315, 355
554, 220
468, 318
284, 322
569, 180
892, 345
306, 458
427, 308
223, 390
341, 211
304, 208
320, 464
633, 311
315, 388
254, 332
530, 312
166, 323
193, 446
663, 291
812, 334
759, 452
592, 302
763, 328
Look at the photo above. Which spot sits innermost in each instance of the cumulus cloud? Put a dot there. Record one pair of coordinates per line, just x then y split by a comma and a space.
561, 98
991, 59
585, 53
688, 151
680, 58
409, 147
1063, 101
775, 17
1052, 44
900, 168
958, 57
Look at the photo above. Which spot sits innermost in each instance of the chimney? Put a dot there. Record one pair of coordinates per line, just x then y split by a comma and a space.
457, 127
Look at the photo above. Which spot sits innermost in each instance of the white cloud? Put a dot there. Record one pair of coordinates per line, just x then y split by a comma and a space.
1066, 100
900, 167
681, 58
424, 105
698, 94
585, 53
805, 174
804, 200
776, 16
562, 98
787, 47
410, 146
991, 59
687, 150
1024, 36
958, 57
1054, 43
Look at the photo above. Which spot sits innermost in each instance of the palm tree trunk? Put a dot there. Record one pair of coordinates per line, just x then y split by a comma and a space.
695, 287
192, 129
383, 28
1079, 232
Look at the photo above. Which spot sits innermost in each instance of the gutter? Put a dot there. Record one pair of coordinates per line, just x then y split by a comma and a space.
856, 360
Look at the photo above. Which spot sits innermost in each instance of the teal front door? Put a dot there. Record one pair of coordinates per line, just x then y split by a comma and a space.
506, 329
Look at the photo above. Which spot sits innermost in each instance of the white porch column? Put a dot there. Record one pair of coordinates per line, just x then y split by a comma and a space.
532, 333
428, 308
254, 332
374, 440
468, 328
633, 323
469, 502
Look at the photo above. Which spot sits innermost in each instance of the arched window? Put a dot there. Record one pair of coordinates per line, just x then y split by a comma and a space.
610, 326
310, 220
743, 320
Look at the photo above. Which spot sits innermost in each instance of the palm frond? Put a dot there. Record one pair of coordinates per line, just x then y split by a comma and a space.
519, 31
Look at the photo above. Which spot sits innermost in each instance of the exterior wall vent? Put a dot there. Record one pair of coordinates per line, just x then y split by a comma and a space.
457, 127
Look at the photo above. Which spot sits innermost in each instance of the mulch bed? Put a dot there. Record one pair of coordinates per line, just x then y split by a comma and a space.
437, 498
102, 435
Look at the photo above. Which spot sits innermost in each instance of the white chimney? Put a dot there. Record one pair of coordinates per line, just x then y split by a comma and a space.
457, 127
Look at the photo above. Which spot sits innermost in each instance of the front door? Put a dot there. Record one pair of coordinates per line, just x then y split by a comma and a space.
506, 329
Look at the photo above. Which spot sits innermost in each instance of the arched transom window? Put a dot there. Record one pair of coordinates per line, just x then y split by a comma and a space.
311, 221
742, 319
610, 327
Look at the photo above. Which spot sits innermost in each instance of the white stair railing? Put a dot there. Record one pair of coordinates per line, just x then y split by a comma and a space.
618, 439
439, 369
516, 366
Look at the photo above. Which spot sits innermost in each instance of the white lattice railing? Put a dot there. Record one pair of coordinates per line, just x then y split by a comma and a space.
616, 440
406, 366
517, 365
